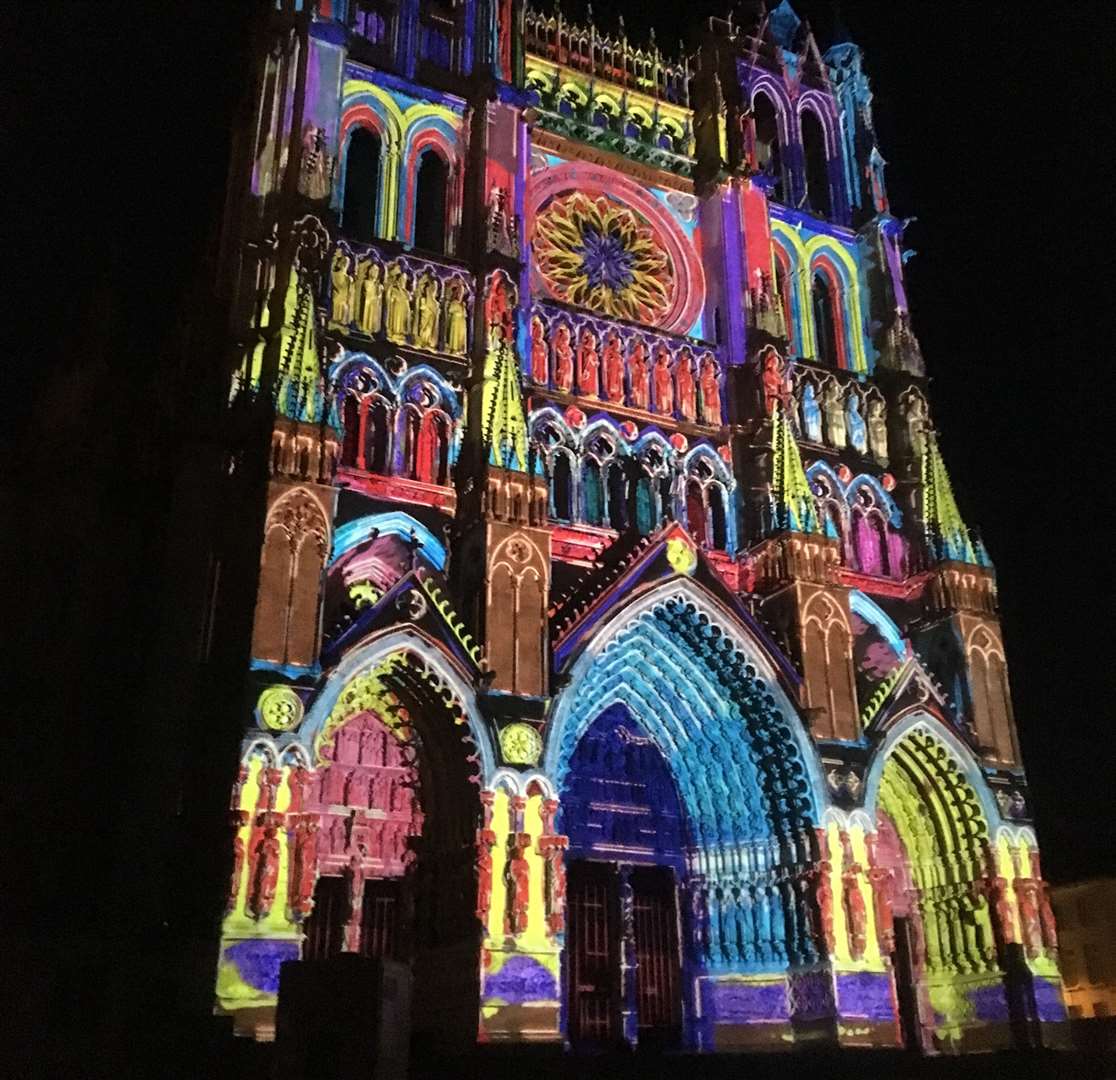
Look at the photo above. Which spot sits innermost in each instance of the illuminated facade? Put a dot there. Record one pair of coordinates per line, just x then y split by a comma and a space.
620, 657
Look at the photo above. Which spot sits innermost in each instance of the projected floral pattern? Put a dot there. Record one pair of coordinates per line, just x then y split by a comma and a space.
598, 254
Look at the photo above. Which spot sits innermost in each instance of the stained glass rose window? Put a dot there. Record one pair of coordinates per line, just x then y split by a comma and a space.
599, 254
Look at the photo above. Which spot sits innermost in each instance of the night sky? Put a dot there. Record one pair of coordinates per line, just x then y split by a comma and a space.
992, 122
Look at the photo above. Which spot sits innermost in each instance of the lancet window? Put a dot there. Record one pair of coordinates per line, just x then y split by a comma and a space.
362, 185
431, 202
816, 164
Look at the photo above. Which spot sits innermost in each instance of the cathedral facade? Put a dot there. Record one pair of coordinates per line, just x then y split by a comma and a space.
620, 658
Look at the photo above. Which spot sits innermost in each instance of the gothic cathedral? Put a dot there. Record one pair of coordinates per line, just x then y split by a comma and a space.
620, 659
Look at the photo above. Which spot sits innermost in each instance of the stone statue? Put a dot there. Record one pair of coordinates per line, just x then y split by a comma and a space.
341, 310
304, 867
856, 915
637, 365
917, 423
563, 358
588, 363
834, 415
857, 432
774, 381
877, 429
499, 308
398, 304
811, 413
239, 818
710, 392
664, 384
613, 369
540, 352
684, 378
457, 319
265, 873
427, 310
317, 168
370, 296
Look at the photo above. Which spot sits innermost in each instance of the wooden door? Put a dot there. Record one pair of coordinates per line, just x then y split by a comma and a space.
657, 974
594, 952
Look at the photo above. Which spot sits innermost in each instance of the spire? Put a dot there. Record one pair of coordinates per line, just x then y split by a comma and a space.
784, 23
504, 426
299, 389
792, 500
946, 534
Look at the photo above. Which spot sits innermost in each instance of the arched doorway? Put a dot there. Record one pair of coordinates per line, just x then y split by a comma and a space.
396, 796
625, 825
669, 698
933, 839
368, 801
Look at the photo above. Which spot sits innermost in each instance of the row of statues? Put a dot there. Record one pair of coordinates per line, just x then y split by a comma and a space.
408, 309
842, 417
653, 380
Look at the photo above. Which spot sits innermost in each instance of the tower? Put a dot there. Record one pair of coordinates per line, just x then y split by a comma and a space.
612, 587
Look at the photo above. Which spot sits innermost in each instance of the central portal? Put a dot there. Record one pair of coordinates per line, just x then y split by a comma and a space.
621, 812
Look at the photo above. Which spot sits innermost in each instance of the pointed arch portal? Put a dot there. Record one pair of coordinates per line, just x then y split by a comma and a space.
675, 748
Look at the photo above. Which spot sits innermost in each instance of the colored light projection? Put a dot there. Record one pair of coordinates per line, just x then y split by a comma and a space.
408, 122
603, 242
681, 772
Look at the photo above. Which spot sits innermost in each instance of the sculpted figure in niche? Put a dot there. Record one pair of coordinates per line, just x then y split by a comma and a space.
304, 867
457, 319
588, 363
613, 369
317, 168
265, 874
664, 384
398, 304
857, 432
540, 352
426, 313
499, 309
370, 296
563, 358
640, 373
917, 423
685, 380
811, 413
710, 392
877, 429
774, 381
341, 310
834, 415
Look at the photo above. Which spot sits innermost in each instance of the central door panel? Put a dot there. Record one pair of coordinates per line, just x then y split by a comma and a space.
655, 920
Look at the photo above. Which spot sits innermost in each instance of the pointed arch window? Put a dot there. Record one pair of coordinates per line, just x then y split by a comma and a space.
592, 493
869, 536
817, 164
617, 497
768, 153
431, 193
645, 516
362, 185
717, 519
823, 296
695, 513
561, 486
432, 457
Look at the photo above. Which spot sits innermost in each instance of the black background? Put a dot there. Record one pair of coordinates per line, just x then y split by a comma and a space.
117, 120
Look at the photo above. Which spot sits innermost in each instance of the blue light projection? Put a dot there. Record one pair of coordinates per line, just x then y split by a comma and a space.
741, 777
